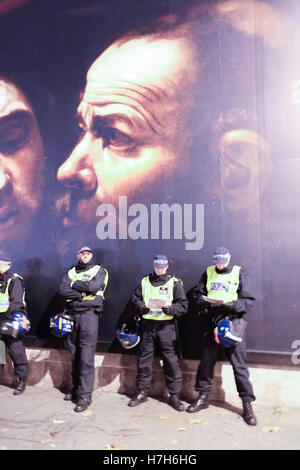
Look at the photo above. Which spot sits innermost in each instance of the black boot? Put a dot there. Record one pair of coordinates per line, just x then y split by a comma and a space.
200, 404
248, 415
70, 395
139, 398
176, 403
20, 387
82, 404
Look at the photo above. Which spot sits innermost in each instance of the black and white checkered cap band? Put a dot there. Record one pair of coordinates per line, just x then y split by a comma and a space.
160, 262
221, 256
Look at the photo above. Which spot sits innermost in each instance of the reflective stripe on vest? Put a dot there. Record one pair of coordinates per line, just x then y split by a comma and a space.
223, 286
87, 276
156, 297
4, 296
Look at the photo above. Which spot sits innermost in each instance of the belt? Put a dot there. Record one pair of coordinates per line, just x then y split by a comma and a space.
156, 324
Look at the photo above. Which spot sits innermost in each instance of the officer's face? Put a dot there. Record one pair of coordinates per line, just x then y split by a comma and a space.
85, 257
133, 119
4, 267
160, 271
21, 164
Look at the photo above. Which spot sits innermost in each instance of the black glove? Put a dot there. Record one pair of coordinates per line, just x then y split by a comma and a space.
168, 310
230, 306
145, 310
74, 304
6, 317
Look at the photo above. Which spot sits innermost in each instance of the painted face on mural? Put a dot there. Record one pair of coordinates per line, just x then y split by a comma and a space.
21, 165
133, 116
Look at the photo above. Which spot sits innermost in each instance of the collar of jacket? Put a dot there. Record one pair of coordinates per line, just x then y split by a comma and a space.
6, 275
84, 267
159, 280
226, 270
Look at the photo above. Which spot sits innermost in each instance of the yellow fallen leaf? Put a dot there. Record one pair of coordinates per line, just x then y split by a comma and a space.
195, 420
163, 417
271, 428
87, 413
223, 412
181, 429
282, 409
57, 421
110, 447
174, 441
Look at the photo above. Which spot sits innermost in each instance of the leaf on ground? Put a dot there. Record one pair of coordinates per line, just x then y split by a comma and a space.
110, 447
195, 420
57, 421
198, 421
181, 429
271, 428
163, 417
281, 409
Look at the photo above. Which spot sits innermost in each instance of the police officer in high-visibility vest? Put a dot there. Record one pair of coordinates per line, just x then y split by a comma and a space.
223, 292
12, 300
83, 288
159, 300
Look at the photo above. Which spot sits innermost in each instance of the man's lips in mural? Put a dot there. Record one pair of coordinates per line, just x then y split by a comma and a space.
70, 208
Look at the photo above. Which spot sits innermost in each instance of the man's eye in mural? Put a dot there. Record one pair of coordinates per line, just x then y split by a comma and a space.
14, 132
116, 139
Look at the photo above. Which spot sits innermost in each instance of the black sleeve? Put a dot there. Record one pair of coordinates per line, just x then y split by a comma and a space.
245, 299
66, 291
98, 282
180, 303
16, 293
199, 290
137, 300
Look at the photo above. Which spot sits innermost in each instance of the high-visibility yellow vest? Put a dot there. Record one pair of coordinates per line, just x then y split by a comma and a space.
156, 297
87, 276
4, 296
223, 286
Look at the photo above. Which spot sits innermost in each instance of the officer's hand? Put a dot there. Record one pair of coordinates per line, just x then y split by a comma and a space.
231, 306
168, 310
6, 316
145, 310
203, 311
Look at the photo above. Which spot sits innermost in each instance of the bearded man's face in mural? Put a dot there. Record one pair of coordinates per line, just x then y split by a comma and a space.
133, 115
21, 165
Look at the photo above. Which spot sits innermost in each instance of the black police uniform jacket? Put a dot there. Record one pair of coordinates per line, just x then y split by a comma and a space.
89, 287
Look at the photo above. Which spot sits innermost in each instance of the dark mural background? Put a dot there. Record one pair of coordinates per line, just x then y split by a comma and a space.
220, 96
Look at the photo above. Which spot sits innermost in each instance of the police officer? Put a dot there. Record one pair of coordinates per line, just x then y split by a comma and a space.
12, 300
83, 289
226, 286
159, 299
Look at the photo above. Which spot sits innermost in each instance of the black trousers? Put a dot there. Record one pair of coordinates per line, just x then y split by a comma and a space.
160, 335
82, 344
236, 356
18, 356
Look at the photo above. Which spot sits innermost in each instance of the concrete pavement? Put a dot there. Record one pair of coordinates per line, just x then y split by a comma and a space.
41, 420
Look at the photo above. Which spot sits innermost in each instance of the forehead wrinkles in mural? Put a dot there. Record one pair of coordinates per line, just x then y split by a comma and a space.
149, 102
133, 114
21, 165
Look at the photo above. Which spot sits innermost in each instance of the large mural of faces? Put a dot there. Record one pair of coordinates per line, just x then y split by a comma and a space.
153, 127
